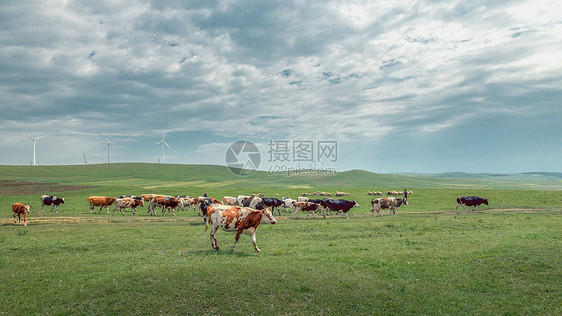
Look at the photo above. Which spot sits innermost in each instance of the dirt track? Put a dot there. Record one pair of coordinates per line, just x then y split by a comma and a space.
16, 188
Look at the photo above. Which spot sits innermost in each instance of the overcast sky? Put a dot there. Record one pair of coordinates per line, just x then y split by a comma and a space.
400, 86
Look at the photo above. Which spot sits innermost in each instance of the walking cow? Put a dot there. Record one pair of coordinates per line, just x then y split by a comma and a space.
236, 219
470, 201
51, 200
390, 203
19, 209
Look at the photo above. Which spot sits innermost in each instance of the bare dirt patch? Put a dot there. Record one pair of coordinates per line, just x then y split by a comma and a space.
16, 188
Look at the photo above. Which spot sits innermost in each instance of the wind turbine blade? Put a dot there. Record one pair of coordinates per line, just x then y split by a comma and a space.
107, 139
167, 145
28, 135
40, 137
160, 142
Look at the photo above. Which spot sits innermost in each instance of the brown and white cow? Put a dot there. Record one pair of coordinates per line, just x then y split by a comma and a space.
390, 203
167, 202
307, 207
229, 200
236, 219
19, 209
125, 203
101, 201
51, 200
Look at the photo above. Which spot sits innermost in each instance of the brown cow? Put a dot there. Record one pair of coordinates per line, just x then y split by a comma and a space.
100, 201
165, 201
236, 219
19, 209
306, 207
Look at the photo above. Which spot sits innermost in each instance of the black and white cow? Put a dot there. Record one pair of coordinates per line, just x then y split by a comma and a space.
273, 203
51, 200
470, 201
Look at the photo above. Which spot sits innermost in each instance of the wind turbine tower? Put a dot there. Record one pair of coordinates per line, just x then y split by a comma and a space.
108, 146
34, 139
163, 142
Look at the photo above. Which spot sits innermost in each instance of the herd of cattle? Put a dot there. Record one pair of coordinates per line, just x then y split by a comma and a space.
241, 214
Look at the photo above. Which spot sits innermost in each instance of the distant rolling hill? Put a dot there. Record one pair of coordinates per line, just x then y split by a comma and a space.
161, 175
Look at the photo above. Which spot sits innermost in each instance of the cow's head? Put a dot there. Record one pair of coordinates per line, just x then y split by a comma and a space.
404, 201
267, 217
485, 201
27, 208
355, 204
61, 200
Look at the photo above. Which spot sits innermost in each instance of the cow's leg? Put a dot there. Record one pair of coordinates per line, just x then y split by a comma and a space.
457, 207
462, 204
121, 211
253, 236
238, 233
346, 216
25, 218
15, 218
53, 207
107, 209
214, 243
42, 207
476, 208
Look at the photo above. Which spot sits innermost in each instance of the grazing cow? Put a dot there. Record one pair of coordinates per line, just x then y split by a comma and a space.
229, 200
51, 200
100, 201
339, 205
19, 209
273, 203
124, 203
390, 203
167, 202
470, 201
237, 219
307, 207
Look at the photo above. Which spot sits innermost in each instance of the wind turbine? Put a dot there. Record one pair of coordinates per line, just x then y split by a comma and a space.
108, 145
85, 161
163, 142
34, 139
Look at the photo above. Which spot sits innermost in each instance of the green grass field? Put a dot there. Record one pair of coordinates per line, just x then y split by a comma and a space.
426, 259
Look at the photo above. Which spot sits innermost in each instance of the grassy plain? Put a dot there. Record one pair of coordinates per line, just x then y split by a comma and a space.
427, 259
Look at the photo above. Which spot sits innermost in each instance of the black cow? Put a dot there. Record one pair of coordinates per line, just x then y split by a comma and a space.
273, 203
338, 205
51, 200
470, 201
